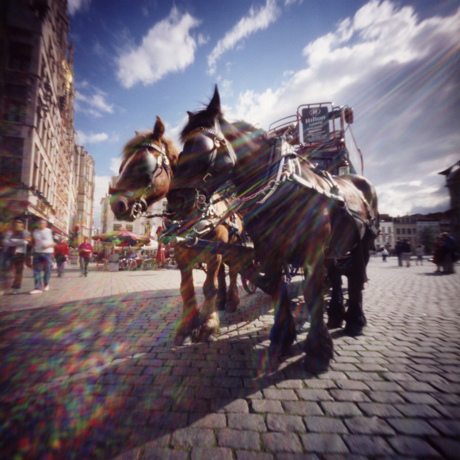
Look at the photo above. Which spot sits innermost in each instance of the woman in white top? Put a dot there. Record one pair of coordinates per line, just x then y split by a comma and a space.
43, 256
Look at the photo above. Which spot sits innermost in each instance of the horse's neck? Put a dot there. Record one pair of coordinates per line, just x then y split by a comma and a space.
255, 169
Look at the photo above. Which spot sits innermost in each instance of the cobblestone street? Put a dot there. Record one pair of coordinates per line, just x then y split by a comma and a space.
89, 370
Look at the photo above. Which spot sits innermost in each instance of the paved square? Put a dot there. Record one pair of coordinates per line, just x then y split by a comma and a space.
89, 370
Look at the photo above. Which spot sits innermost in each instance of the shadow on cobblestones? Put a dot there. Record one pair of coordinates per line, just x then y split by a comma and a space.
101, 378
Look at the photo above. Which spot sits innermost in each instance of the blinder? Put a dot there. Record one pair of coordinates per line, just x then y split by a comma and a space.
206, 175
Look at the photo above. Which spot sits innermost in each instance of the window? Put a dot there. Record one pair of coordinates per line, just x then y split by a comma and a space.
129, 228
10, 168
116, 226
20, 56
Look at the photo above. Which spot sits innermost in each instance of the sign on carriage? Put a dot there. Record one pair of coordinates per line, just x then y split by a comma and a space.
315, 124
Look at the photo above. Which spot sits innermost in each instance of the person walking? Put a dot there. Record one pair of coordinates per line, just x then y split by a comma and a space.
15, 250
85, 250
450, 247
419, 250
399, 251
43, 256
384, 254
406, 253
61, 254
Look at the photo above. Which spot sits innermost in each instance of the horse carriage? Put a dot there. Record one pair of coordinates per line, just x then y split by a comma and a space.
296, 213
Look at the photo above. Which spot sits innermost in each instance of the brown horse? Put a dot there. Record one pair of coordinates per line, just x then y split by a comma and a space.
148, 166
293, 214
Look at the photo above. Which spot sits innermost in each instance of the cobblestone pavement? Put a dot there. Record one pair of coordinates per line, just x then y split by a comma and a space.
89, 370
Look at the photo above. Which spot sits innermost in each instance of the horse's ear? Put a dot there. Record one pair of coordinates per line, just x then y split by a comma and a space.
159, 128
190, 115
137, 133
214, 105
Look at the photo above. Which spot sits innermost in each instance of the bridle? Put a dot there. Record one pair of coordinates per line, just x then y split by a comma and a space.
162, 164
220, 155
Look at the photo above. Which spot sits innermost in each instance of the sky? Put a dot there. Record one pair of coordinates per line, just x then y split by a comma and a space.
395, 62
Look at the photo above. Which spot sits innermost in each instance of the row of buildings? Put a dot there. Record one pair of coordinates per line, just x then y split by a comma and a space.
423, 229
44, 174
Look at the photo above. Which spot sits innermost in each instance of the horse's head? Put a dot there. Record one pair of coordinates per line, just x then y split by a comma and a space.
148, 164
207, 160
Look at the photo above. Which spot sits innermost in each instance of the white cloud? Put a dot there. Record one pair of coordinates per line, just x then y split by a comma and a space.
75, 5
257, 19
92, 101
168, 47
399, 74
91, 138
115, 165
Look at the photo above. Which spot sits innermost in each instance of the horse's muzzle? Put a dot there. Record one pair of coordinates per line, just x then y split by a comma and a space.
127, 210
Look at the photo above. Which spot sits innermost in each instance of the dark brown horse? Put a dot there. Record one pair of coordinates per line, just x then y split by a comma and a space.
148, 166
293, 214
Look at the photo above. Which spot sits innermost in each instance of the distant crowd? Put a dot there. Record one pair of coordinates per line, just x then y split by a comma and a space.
446, 251
36, 250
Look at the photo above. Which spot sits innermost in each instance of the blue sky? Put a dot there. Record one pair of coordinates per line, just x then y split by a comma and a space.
395, 62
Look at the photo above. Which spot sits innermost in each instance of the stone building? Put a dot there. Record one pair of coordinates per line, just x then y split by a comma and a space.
453, 184
39, 174
405, 228
386, 236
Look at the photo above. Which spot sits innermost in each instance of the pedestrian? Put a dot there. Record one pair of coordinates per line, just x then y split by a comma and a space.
161, 257
15, 245
384, 254
61, 255
399, 251
419, 251
84, 251
438, 254
43, 256
450, 249
406, 252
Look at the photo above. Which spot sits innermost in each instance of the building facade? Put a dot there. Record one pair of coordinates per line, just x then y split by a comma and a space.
39, 174
386, 235
453, 184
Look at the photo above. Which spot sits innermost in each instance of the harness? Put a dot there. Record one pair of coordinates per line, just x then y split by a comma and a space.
162, 164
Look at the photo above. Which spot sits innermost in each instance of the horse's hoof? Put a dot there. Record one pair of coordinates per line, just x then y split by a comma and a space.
353, 330
203, 334
334, 323
180, 338
316, 365
279, 349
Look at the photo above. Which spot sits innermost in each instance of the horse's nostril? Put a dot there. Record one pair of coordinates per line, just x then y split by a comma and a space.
120, 207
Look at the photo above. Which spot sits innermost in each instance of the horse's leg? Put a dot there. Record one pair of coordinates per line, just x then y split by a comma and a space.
233, 299
209, 319
336, 310
283, 332
222, 289
189, 319
354, 317
318, 346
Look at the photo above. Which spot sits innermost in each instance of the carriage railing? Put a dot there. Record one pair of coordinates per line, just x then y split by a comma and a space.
320, 140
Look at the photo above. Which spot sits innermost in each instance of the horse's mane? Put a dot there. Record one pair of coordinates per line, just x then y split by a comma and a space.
198, 119
142, 137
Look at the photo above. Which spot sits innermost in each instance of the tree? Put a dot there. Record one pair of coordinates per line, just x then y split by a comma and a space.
427, 238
